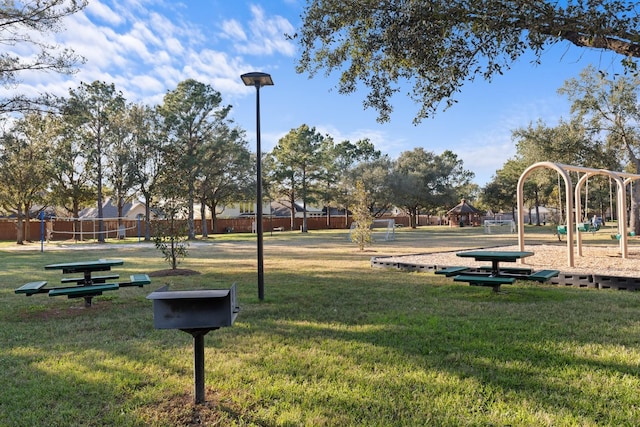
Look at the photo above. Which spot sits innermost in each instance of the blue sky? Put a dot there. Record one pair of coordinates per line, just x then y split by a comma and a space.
146, 47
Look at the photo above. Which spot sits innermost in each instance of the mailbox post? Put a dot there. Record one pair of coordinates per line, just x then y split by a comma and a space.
196, 312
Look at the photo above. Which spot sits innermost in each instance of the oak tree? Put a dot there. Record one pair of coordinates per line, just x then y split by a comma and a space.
25, 32
437, 46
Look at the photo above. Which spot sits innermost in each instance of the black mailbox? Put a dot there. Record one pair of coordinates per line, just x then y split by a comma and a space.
197, 309
196, 312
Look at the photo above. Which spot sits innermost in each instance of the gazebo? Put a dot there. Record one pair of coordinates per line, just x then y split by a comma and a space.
464, 214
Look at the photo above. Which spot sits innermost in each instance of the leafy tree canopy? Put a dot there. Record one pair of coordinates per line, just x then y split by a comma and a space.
27, 26
437, 46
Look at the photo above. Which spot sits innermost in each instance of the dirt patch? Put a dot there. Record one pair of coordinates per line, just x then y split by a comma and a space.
173, 272
182, 411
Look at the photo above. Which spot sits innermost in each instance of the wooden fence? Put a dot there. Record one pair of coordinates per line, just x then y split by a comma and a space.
59, 230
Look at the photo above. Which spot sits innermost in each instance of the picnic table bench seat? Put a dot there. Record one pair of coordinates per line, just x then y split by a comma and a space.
543, 275
94, 279
451, 271
494, 282
509, 270
84, 291
32, 288
137, 280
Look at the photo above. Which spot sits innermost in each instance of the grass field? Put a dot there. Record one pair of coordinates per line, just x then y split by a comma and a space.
334, 343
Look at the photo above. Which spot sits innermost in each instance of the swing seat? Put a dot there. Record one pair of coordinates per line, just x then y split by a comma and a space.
562, 229
583, 226
615, 237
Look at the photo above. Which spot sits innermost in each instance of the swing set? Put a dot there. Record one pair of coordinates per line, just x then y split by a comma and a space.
622, 179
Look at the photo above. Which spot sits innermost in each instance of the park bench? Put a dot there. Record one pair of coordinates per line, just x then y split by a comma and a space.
451, 271
543, 275
32, 288
494, 282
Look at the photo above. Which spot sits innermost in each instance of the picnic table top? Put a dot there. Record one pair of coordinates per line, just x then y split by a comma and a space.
84, 265
495, 255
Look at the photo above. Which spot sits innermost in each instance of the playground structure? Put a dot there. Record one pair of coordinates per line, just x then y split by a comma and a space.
574, 208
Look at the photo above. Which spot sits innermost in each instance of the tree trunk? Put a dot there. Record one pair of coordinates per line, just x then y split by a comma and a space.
27, 224
537, 207
192, 230
304, 201
304, 215
147, 219
328, 215
214, 218
100, 210
346, 216
19, 225
203, 219
634, 216
413, 213
120, 225
292, 209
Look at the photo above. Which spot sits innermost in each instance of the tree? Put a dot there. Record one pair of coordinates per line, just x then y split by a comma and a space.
500, 193
147, 159
171, 233
361, 232
93, 108
610, 108
568, 143
376, 176
119, 155
193, 117
227, 176
24, 169
439, 46
337, 180
25, 25
422, 179
297, 163
71, 183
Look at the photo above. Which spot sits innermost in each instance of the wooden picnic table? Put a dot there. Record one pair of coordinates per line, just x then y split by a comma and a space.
495, 257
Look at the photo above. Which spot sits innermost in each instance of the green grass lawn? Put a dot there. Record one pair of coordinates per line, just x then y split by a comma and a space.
334, 343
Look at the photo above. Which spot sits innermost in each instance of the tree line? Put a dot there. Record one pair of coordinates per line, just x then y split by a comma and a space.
602, 132
70, 151
187, 151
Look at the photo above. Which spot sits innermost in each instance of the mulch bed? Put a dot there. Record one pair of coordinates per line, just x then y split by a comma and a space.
173, 272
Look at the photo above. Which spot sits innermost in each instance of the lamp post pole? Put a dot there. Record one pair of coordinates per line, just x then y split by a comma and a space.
258, 80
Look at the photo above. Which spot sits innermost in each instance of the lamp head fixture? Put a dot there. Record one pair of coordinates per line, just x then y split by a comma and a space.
257, 79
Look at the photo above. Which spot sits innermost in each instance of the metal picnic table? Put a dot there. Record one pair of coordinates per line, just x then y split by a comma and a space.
87, 285
495, 257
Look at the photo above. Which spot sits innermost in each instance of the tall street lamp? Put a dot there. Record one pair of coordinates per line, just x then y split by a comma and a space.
258, 80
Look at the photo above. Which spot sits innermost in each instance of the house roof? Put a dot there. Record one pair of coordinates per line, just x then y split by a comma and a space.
109, 209
463, 208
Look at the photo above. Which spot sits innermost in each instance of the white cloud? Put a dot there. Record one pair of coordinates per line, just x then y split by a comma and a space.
232, 30
141, 31
267, 34
174, 46
103, 12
